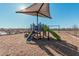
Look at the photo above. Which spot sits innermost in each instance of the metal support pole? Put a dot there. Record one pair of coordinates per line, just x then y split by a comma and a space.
43, 32
40, 30
48, 33
37, 18
37, 25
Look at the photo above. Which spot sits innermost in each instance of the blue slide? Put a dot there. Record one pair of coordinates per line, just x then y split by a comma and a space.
30, 37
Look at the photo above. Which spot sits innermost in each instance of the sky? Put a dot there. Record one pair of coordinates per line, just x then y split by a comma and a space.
63, 14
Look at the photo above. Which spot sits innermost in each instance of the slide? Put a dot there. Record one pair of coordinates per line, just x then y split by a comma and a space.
30, 36
45, 28
55, 34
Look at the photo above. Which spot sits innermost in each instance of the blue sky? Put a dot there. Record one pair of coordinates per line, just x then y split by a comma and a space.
65, 15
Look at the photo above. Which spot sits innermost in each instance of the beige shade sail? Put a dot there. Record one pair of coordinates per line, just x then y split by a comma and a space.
42, 9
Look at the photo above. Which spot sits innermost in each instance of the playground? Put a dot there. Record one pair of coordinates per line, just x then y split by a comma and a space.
38, 30
40, 39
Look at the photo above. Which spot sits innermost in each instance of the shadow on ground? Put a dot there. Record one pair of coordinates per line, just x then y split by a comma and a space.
60, 47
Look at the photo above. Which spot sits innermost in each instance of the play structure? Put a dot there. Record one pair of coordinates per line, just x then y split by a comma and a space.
38, 33
43, 32
39, 30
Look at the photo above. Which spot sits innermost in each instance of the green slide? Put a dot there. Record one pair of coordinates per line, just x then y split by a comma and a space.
45, 28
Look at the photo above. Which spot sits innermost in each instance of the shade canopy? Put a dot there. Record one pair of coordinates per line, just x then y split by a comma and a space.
42, 9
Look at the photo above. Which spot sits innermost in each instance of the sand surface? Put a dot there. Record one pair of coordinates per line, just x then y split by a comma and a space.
15, 45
